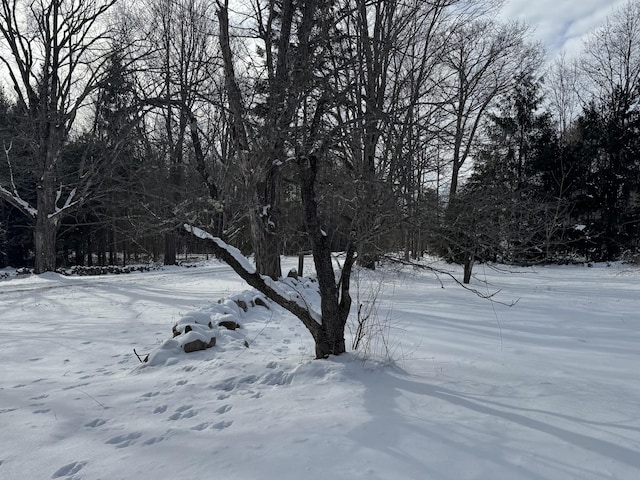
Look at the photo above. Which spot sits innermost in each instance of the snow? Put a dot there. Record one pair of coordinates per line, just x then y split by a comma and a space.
546, 389
233, 251
290, 289
19, 201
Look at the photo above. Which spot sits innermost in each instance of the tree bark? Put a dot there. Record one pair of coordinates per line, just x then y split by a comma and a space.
468, 267
45, 235
46, 227
257, 165
335, 303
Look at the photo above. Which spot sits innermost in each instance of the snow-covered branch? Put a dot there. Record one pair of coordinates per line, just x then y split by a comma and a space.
68, 203
12, 196
268, 287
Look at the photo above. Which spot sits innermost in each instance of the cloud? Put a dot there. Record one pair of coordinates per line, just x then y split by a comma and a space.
561, 25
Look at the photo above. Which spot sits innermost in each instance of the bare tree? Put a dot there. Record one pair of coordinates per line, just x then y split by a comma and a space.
296, 104
483, 62
611, 60
259, 134
179, 66
388, 53
55, 61
563, 92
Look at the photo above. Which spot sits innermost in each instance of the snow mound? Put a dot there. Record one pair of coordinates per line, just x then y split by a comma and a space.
222, 324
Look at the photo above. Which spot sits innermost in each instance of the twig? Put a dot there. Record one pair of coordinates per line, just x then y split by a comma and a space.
486, 296
142, 360
91, 397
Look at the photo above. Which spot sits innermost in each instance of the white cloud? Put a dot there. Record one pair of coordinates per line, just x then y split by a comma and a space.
561, 25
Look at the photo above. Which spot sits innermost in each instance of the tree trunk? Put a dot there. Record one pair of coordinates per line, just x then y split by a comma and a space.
170, 248
335, 304
468, 267
266, 245
46, 227
300, 264
264, 189
45, 235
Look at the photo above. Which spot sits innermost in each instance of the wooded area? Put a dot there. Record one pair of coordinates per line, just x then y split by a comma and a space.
285, 126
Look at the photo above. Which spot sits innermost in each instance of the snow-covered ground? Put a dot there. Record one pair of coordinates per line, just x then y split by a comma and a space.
546, 389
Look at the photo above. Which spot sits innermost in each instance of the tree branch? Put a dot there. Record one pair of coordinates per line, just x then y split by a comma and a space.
265, 285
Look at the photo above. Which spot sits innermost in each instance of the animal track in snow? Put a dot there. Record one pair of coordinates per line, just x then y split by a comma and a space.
275, 377
184, 411
153, 440
201, 426
122, 441
98, 422
160, 409
150, 394
223, 409
69, 469
222, 425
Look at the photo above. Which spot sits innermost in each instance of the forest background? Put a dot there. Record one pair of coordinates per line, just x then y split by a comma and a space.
383, 126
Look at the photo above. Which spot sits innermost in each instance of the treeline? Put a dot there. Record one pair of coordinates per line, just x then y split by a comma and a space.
281, 126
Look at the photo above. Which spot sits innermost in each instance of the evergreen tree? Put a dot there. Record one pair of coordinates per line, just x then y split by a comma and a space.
506, 211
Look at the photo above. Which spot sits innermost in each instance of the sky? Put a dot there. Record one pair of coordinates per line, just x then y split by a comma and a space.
561, 25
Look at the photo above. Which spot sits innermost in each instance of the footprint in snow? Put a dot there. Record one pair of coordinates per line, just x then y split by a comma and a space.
221, 425
249, 379
153, 440
69, 469
122, 441
150, 395
39, 397
184, 411
201, 426
98, 422
223, 409
160, 409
